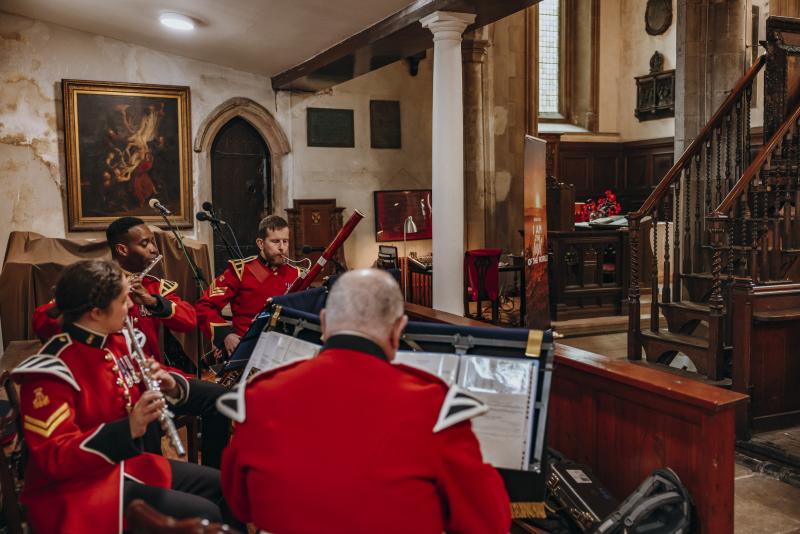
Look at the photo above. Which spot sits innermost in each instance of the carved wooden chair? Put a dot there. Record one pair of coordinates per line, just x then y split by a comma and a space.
144, 519
12, 461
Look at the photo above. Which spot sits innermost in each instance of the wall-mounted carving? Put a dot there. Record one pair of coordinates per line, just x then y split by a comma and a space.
655, 92
658, 16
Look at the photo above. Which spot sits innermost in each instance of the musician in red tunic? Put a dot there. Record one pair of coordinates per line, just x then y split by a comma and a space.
155, 304
84, 417
246, 285
347, 442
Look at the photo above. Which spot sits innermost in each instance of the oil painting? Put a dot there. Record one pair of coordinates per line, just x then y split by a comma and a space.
125, 145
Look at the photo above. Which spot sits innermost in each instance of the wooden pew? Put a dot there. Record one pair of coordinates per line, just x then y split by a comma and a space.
625, 419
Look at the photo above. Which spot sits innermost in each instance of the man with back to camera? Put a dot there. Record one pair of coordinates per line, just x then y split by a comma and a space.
133, 248
345, 442
246, 285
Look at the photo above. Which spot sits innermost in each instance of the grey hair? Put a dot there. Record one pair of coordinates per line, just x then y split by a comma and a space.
367, 301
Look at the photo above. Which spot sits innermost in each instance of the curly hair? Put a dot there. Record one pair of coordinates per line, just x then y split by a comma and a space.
85, 285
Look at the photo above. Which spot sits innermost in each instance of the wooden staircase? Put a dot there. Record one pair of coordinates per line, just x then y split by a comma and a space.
727, 216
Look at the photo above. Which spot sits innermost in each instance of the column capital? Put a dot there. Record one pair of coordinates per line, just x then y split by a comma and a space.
447, 25
474, 51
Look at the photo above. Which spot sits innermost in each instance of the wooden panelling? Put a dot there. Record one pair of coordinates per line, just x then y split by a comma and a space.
587, 278
767, 320
651, 160
631, 169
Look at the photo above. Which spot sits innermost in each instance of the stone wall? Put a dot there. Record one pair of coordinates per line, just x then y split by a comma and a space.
506, 94
351, 175
625, 52
35, 56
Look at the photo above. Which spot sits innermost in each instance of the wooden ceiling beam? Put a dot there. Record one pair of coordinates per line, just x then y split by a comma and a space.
396, 37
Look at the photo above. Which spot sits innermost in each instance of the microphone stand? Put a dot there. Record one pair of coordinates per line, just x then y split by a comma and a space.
199, 282
232, 254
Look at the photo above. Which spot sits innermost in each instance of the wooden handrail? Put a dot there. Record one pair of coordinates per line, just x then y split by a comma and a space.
727, 202
661, 189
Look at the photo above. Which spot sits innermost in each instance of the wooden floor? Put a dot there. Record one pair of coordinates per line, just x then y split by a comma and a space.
614, 324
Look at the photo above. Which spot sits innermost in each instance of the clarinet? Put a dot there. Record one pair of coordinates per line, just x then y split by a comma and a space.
167, 423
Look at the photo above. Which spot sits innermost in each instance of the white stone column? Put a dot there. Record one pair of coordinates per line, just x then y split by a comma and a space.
448, 159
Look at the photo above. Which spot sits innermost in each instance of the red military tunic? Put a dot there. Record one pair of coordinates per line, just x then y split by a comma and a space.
246, 284
75, 398
170, 310
345, 443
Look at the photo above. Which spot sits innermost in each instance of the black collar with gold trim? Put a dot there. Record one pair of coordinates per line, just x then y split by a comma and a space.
357, 343
268, 265
84, 335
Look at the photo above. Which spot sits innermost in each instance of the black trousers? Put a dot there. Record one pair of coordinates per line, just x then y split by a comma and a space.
215, 427
195, 492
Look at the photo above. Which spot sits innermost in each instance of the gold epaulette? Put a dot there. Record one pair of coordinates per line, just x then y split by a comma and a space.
238, 265
166, 287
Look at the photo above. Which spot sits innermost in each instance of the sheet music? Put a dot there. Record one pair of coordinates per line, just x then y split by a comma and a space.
274, 349
441, 364
506, 386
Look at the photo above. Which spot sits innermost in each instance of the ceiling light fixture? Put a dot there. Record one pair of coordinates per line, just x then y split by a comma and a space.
176, 21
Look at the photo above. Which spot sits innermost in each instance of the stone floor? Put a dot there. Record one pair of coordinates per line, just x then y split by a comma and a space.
761, 504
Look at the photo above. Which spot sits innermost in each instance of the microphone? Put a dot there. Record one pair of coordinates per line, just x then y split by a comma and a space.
208, 207
203, 216
156, 205
308, 249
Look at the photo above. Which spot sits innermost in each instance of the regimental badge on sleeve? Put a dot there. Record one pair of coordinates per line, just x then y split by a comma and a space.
40, 400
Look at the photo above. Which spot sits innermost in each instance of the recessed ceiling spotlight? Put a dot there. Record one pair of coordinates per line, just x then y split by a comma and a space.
176, 21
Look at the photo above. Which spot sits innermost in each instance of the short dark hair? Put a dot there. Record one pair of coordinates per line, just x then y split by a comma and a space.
87, 284
117, 231
271, 223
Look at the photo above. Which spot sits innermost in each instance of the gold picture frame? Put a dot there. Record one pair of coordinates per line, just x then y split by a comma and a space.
126, 144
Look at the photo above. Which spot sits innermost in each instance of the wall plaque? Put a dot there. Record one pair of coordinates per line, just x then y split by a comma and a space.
327, 127
655, 92
384, 123
658, 16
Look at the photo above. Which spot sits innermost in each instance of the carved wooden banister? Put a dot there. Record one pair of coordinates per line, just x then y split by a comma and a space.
752, 171
705, 134
675, 214
760, 215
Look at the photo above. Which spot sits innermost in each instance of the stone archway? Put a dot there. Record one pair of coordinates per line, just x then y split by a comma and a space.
266, 125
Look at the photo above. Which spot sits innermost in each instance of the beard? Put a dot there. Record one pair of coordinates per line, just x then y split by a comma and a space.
275, 259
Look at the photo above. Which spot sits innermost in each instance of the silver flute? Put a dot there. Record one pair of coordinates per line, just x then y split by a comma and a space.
166, 417
150, 265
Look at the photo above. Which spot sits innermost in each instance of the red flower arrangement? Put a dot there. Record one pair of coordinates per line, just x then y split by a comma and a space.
604, 206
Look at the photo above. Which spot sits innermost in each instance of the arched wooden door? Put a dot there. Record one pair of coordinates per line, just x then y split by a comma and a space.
241, 185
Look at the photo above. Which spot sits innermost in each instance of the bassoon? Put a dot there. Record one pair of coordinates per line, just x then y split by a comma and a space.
304, 279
